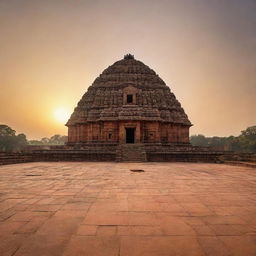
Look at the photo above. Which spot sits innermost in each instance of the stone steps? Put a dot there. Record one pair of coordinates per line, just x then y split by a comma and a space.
131, 153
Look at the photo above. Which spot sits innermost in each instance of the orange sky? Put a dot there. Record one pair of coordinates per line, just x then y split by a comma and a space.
52, 50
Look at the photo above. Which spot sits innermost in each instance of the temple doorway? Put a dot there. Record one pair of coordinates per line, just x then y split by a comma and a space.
130, 132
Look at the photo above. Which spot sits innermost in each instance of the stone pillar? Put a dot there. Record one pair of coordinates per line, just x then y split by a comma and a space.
69, 134
176, 134
185, 133
101, 133
89, 132
179, 134
137, 133
86, 132
76, 133
121, 132
80, 129
172, 133
142, 132
157, 133
83, 133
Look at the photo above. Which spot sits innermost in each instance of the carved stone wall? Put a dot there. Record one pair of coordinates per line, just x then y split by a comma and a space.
145, 132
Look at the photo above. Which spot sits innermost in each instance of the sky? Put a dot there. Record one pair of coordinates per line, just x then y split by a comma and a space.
51, 51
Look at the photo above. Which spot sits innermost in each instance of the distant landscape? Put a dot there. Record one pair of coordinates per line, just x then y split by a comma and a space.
245, 142
12, 142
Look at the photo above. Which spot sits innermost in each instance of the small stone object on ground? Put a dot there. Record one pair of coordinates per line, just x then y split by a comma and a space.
137, 170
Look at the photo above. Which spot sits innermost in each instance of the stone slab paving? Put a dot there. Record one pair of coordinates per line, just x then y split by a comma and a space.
104, 209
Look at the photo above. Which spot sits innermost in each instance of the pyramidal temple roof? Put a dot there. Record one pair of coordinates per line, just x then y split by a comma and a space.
104, 100
129, 70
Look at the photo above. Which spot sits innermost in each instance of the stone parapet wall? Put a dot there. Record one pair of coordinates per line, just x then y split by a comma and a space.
132, 152
77, 152
73, 155
183, 152
206, 157
177, 147
15, 158
244, 157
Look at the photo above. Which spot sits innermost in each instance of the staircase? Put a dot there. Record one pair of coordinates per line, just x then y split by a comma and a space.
131, 153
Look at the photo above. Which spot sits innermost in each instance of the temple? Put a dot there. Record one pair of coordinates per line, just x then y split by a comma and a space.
128, 104
128, 114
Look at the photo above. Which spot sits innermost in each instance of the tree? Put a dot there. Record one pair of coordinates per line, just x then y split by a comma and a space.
5, 130
247, 139
9, 142
45, 141
199, 140
54, 140
58, 139
250, 131
35, 142
245, 142
21, 141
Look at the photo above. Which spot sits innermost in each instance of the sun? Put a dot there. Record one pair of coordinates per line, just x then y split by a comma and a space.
62, 114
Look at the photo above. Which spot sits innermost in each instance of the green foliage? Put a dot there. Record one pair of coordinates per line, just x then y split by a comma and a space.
9, 142
35, 142
245, 142
199, 140
5, 130
54, 140
248, 139
250, 131
58, 139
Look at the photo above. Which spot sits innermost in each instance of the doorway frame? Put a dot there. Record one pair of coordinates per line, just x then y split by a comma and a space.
130, 140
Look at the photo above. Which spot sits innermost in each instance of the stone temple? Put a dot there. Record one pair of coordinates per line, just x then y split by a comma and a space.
128, 114
128, 104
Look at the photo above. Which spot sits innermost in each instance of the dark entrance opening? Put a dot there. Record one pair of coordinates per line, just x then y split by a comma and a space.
129, 98
130, 135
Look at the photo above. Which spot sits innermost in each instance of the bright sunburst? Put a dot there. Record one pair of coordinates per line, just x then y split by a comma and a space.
61, 114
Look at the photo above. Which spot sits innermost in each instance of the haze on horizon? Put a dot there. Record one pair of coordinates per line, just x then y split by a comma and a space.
52, 50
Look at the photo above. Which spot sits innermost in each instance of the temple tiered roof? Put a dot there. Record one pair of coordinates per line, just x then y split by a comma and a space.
104, 99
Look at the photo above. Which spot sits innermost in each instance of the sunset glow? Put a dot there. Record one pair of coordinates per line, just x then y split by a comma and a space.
62, 114
51, 52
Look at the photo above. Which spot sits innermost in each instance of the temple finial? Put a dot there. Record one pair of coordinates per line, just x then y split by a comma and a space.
129, 57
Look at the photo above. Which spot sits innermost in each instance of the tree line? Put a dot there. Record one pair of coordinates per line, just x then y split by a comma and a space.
54, 140
10, 142
245, 142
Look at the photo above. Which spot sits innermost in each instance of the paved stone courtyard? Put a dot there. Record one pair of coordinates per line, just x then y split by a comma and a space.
104, 209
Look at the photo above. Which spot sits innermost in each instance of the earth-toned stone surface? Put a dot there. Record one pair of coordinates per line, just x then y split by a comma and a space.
104, 209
